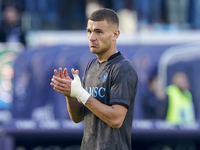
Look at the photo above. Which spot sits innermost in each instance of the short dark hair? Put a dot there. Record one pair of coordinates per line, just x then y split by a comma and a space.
105, 14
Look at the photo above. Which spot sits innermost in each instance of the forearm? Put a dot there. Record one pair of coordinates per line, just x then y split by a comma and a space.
112, 115
75, 109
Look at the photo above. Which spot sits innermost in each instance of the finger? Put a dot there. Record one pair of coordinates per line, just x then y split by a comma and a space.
56, 72
58, 90
77, 72
55, 87
61, 90
61, 73
73, 71
60, 82
58, 79
65, 72
52, 84
57, 83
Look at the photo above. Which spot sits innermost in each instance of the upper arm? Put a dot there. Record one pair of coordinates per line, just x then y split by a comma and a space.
121, 112
123, 86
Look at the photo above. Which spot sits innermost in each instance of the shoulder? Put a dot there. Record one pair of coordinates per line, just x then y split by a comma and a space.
123, 72
122, 61
123, 65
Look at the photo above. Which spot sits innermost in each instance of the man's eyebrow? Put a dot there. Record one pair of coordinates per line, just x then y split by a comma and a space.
98, 29
88, 29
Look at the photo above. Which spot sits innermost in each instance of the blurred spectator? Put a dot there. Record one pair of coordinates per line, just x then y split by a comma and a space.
194, 14
149, 13
105, 3
142, 7
177, 13
19, 4
43, 13
10, 29
72, 14
157, 16
180, 103
154, 100
115, 5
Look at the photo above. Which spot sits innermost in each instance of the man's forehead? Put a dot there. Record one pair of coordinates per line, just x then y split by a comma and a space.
97, 24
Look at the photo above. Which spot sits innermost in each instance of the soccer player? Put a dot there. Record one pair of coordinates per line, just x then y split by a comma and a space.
105, 100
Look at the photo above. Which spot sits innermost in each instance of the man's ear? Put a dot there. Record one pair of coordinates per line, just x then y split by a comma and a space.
116, 34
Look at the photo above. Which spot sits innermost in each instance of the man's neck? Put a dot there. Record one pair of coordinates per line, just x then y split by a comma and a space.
104, 57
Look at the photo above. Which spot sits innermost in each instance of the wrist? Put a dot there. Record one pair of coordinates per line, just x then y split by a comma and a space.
83, 96
78, 91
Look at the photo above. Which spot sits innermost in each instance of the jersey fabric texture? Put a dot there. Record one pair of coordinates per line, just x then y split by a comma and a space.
111, 82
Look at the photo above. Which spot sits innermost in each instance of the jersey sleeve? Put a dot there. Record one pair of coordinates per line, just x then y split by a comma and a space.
123, 86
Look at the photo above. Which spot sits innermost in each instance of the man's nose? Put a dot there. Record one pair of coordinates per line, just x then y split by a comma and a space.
92, 36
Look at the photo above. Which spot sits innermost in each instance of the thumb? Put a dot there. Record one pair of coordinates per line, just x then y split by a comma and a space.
77, 79
75, 71
75, 86
75, 76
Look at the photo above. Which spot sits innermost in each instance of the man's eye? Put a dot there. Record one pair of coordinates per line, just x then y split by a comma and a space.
99, 31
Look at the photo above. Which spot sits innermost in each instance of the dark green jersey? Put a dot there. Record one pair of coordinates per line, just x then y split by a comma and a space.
111, 82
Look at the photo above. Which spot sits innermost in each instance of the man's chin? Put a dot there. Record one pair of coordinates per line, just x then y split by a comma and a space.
93, 50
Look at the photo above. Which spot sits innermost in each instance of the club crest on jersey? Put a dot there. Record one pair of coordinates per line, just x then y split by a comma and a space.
88, 76
104, 77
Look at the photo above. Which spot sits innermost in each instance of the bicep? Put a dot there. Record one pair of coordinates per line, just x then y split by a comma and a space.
123, 86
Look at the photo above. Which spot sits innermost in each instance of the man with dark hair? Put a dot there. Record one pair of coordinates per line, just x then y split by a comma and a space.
105, 100
109, 16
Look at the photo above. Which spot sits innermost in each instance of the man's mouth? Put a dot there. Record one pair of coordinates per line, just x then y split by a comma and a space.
93, 45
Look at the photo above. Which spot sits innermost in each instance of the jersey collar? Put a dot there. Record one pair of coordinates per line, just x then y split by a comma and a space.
113, 56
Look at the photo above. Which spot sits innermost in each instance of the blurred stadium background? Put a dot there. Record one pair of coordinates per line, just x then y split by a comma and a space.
155, 34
